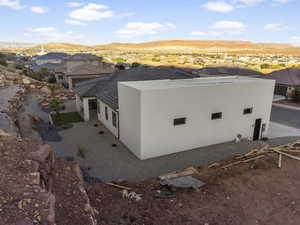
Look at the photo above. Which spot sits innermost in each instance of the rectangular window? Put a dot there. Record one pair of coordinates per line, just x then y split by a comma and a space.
179, 121
248, 111
216, 116
106, 113
114, 119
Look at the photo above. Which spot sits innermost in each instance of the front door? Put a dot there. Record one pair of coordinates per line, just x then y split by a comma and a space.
93, 104
257, 129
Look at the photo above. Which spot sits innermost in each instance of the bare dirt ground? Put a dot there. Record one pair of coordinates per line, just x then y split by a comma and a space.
247, 194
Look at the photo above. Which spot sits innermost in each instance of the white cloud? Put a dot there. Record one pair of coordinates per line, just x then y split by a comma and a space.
222, 7
275, 27
246, 3
75, 22
222, 28
206, 34
137, 29
14, 4
232, 26
37, 9
52, 34
280, 2
75, 4
92, 12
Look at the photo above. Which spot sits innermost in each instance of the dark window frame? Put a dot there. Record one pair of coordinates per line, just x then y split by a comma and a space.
248, 111
216, 116
179, 121
114, 118
106, 113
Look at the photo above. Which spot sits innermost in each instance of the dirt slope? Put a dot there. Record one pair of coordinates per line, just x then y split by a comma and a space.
252, 193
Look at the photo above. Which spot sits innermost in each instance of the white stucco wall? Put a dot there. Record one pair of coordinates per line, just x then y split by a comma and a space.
107, 123
151, 113
82, 106
130, 118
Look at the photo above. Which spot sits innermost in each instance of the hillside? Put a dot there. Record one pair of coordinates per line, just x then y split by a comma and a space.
193, 46
174, 46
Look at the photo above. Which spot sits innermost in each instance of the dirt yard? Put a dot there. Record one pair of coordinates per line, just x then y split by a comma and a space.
257, 192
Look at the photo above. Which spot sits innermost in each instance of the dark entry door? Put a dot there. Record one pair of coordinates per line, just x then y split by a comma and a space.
257, 127
93, 104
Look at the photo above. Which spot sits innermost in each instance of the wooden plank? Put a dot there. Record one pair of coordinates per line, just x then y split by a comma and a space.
172, 175
279, 160
118, 186
288, 155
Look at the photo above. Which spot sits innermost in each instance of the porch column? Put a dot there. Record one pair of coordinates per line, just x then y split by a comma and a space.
86, 110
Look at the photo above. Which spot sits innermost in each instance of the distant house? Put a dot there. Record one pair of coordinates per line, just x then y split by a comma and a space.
286, 81
50, 58
228, 71
80, 67
163, 110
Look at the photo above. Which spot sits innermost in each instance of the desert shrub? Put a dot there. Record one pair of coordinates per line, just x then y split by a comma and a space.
265, 66
135, 64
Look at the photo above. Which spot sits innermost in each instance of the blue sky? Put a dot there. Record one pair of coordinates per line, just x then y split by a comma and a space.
105, 21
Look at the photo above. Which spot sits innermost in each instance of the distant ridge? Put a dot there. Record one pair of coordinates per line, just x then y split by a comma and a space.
177, 46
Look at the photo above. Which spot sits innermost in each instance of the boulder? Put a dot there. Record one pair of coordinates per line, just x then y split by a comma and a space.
26, 81
46, 90
41, 154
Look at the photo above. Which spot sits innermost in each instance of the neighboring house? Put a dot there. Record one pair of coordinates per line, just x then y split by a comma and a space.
228, 71
286, 81
50, 66
52, 58
81, 67
159, 111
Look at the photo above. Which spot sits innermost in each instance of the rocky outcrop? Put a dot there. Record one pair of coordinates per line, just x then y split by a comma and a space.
37, 187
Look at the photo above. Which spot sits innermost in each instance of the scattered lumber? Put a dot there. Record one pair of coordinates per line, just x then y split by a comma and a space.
186, 172
118, 186
213, 165
288, 155
242, 161
279, 161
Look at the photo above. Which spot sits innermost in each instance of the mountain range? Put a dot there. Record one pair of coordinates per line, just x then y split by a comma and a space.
172, 46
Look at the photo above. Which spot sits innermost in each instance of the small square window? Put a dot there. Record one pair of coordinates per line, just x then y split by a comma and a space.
106, 113
114, 119
216, 116
179, 121
248, 111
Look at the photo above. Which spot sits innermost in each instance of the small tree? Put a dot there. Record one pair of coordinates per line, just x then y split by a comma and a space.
55, 105
52, 88
81, 152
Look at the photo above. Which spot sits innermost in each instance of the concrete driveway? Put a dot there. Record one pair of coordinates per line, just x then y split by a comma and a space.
286, 116
112, 163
